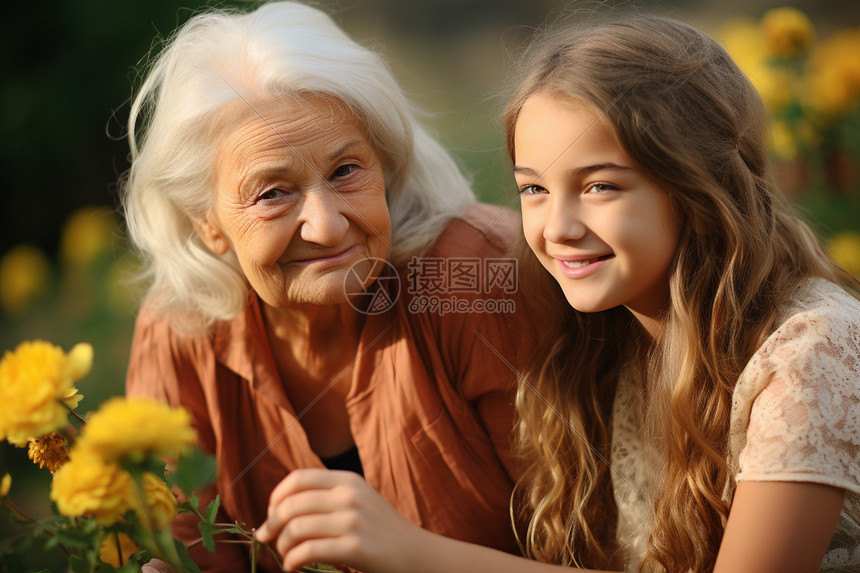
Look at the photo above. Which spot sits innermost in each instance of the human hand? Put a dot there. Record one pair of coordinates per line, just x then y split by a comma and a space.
336, 517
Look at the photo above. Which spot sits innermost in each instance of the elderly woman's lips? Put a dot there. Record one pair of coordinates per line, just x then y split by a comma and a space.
333, 258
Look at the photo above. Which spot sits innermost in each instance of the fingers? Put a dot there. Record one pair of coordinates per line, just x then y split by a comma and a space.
302, 503
300, 480
320, 550
308, 492
338, 526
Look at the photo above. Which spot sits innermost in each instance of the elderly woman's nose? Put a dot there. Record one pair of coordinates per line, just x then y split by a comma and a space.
322, 217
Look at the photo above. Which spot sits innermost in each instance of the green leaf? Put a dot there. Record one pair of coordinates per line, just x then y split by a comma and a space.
212, 509
208, 535
187, 564
194, 471
195, 501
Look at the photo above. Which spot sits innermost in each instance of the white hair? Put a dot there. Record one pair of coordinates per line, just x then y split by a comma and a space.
282, 48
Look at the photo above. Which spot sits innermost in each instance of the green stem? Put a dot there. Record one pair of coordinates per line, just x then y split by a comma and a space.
165, 550
74, 414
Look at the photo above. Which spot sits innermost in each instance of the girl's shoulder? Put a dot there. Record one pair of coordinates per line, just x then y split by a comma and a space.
818, 333
800, 392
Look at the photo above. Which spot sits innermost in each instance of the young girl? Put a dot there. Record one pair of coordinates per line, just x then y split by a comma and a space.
699, 407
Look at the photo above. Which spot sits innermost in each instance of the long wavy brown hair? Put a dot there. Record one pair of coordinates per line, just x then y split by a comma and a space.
689, 118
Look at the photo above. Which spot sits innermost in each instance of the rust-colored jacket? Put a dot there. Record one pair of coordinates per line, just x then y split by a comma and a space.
430, 405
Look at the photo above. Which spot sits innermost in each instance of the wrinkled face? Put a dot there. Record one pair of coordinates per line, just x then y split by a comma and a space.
605, 231
299, 198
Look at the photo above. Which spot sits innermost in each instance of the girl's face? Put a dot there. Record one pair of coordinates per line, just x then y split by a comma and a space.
599, 225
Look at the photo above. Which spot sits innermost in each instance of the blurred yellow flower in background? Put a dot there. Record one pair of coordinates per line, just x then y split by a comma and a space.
49, 451
24, 278
744, 41
87, 485
87, 235
37, 388
135, 428
832, 83
5, 485
116, 548
844, 248
788, 33
783, 141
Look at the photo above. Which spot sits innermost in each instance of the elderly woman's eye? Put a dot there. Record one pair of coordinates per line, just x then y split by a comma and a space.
270, 194
344, 170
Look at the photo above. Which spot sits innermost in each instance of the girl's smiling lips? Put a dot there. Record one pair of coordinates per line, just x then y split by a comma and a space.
582, 266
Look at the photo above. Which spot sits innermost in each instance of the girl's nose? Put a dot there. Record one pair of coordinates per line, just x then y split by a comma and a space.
563, 222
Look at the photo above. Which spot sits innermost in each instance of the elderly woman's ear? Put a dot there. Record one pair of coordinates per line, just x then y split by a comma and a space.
211, 234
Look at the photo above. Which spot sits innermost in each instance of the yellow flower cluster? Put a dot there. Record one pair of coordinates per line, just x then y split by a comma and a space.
93, 482
134, 429
87, 485
37, 388
770, 52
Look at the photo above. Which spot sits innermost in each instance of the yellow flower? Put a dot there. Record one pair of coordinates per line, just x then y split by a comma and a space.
5, 484
87, 235
116, 548
87, 485
844, 248
788, 33
24, 277
134, 428
833, 74
36, 387
783, 142
49, 450
744, 41
160, 502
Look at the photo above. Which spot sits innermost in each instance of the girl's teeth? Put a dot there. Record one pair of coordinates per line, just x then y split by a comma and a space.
576, 264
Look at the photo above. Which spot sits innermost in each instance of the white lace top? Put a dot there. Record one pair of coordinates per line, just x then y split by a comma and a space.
795, 417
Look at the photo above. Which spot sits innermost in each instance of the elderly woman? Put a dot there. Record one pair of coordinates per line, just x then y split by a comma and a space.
325, 292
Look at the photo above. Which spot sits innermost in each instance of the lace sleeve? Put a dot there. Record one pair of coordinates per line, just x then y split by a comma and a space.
796, 411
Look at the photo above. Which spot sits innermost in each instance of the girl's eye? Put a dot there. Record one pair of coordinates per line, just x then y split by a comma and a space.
600, 188
531, 189
344, 170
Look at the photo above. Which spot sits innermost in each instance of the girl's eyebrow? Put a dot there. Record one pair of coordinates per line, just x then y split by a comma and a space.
579, 171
